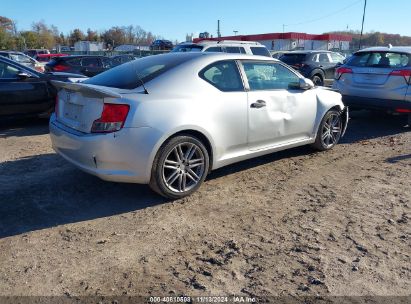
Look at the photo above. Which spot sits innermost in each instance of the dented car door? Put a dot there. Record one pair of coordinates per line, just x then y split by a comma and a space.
279, 111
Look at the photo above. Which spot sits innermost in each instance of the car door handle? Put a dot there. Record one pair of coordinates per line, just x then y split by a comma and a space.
258, 104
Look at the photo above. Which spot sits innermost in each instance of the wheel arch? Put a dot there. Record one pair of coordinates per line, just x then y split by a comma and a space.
317, 71
201, 135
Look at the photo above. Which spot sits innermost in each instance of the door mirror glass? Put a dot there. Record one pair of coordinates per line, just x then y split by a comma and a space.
306, 84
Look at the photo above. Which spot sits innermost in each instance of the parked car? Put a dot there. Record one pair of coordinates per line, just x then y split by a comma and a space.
277, 54
23, 59
319, 66
224, 46
377, 78
168, 120
87, 65
120, 59
34, 52
161, 45
44, 58
26, 92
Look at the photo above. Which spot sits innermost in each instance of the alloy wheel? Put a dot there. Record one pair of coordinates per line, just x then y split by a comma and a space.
331, 130
183, 168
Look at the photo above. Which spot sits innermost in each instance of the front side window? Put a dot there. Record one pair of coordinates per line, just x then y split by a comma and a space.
214, 49
223, 75
7, 71
323, 58
235, 49
337, 58
269, 76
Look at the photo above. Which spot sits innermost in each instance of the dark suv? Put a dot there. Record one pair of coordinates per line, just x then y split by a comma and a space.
319, 66
85, 65
161, 45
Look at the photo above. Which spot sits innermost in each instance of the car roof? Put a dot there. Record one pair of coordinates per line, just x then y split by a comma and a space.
308, 52
399, 49
229, 42
81, 56
215, 56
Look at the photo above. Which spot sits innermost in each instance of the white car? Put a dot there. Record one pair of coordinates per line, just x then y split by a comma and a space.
168, 120
224, 46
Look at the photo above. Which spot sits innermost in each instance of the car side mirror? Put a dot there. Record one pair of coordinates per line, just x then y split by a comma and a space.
306, 84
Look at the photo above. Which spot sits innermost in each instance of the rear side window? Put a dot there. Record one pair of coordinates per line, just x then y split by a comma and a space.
129, 75
261, 51
223, 75
380, 60
187, 48
323, 58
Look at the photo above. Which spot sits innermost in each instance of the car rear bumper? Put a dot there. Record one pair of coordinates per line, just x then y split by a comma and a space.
124, 156
375, 103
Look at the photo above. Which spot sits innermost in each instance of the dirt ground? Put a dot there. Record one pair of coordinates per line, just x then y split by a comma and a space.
293, 223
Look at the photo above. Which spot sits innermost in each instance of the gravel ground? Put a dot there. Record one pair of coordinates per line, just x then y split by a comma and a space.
293, 223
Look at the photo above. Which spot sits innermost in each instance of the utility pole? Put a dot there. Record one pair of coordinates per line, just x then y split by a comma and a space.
362, 25
218, 29
235, 32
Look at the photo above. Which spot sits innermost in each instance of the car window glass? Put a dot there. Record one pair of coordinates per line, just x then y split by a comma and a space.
90, 62
7, 71
337, 58
106, 62
380, 60
224, 75
261, 51
315, 58
74, 61
323, 58
233, 49
269, 76
214, 49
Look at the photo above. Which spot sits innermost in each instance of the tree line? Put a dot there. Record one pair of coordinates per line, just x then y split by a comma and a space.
375, 39
46, 36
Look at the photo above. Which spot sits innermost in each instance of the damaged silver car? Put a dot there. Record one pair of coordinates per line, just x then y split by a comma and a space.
168, 120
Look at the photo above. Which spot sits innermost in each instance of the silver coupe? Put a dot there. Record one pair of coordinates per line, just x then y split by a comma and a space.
168, 120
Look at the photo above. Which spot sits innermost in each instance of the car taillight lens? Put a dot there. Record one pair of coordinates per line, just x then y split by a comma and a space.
403, 110
112, 118
404, 73
340, 71
60, 68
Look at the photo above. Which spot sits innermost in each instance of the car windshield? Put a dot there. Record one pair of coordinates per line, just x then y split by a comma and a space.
293, 58
380, 60
129, 75
187, 48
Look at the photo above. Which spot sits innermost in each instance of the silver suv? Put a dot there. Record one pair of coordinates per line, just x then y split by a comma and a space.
377, 78
224, 46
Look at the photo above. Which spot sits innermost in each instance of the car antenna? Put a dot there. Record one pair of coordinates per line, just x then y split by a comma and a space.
142, 83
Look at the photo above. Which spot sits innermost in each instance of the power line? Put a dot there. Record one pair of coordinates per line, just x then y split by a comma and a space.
326, 16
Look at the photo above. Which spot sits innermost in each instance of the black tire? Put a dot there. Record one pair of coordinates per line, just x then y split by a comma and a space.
329, 131
317, 80
175, 175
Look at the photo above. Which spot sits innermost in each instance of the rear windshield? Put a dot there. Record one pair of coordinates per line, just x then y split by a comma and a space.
261, 51
380, 60
129, 75
187, 48
293, 58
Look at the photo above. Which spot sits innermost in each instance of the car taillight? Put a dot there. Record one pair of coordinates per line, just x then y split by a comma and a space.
404, 73
403, 110
112, 118
60, 68
340, 71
